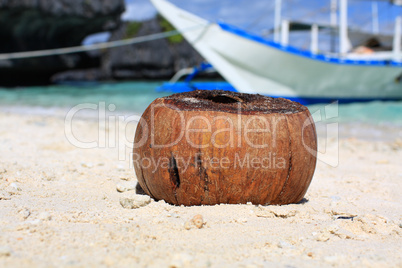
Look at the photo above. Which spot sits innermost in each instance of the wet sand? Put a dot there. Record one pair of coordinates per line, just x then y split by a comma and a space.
60, 206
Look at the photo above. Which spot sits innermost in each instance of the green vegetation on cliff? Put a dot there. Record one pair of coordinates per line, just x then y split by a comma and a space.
132, 29
166, 26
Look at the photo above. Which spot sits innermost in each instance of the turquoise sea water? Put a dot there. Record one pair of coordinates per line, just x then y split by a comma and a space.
134, 97
126, 96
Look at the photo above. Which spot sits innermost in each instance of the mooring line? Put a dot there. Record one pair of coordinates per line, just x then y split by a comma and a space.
104, 45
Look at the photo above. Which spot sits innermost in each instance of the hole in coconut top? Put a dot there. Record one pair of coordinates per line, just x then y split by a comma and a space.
223, 99
231, 102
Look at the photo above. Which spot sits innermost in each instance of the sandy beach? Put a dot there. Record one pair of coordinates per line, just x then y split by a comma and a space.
60, 205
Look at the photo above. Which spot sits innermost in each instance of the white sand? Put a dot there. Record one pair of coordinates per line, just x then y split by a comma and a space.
59, 207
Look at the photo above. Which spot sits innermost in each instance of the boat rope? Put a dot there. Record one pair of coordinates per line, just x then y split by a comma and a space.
104, 45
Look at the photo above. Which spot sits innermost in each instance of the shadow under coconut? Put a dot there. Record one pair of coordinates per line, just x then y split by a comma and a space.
303, 201
140, 191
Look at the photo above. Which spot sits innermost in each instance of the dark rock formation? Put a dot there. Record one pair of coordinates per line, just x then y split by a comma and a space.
27, 25
80, 75
159, 59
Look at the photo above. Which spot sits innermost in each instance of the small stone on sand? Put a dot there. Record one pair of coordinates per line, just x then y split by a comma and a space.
198, 221
125, 186
5, 251
131, 201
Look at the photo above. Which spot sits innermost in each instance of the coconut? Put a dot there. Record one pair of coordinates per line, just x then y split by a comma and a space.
210, 147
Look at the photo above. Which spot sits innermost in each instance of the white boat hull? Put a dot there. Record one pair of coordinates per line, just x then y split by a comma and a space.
258, 66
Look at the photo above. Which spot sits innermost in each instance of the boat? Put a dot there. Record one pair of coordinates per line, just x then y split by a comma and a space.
254, 64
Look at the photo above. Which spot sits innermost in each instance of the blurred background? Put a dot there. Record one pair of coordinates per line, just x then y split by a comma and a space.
27, 25
136, 70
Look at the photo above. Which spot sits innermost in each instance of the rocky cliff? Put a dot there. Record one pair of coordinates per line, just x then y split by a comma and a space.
27, 25
160, 58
